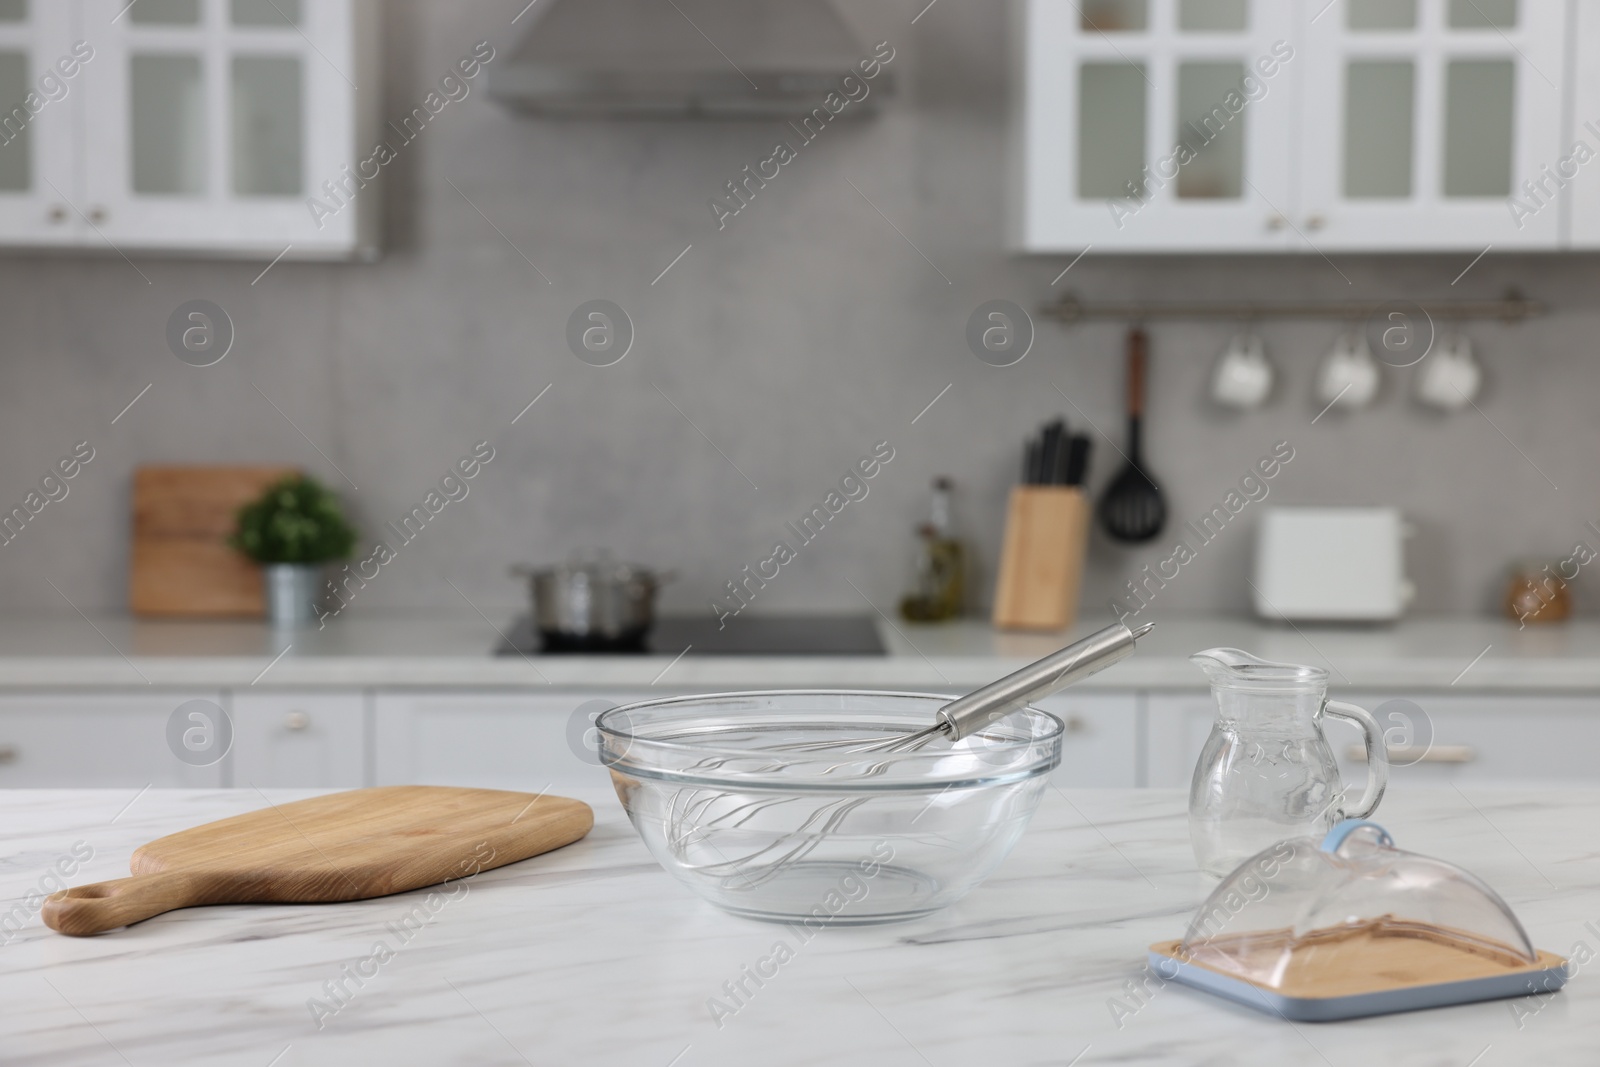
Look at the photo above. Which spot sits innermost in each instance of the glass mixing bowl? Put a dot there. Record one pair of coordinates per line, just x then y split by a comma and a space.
734, 796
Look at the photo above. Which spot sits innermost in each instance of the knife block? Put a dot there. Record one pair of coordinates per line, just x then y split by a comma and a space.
1041, 560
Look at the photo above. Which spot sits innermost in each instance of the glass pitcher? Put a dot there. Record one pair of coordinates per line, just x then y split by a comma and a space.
1267, 772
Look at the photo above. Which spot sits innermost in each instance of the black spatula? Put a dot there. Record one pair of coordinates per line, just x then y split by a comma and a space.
1132, 508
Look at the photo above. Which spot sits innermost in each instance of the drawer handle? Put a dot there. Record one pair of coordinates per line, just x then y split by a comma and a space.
9, 754
296, 720
1409, 754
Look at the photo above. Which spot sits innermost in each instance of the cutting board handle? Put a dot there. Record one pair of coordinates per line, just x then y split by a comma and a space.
102, 906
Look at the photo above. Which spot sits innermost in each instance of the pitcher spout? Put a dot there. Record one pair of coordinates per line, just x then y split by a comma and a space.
1238, 669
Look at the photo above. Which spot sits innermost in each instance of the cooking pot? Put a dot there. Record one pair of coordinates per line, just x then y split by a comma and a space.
592, 606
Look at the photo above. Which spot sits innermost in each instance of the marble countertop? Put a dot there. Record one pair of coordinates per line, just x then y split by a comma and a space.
592, 955
453, 651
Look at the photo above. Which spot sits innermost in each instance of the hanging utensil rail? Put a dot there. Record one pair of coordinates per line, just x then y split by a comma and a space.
1513, 307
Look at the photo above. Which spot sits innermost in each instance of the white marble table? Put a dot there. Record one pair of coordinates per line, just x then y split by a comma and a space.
591, 955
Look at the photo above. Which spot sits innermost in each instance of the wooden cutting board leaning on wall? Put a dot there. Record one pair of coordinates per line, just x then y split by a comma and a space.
181, 564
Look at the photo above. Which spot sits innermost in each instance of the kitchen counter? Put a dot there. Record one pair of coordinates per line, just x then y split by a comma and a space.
592, 955
453, 651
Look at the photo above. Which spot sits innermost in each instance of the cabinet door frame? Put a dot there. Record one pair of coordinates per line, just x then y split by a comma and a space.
100, 740
1101, 747
43, 215
484, 728
340, 94
1427, 220
1582, 230
1498, 739
334, 734
1054, 219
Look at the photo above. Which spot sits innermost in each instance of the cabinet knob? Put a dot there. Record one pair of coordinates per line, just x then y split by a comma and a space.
296, 720
9, 753
1075, 725
1276, 221
57, 213
97, 214
1316, 222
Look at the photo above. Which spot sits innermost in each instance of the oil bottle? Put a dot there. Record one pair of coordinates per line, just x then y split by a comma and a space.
939, 581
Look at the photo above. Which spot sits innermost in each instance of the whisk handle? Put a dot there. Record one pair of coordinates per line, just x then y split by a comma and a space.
1056, 671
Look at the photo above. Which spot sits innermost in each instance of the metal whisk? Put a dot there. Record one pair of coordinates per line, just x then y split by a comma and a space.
694, 813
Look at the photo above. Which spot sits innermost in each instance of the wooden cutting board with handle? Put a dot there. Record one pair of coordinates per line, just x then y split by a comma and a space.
180, 562
345, 846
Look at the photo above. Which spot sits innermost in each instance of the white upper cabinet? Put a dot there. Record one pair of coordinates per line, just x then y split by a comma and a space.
1578, 163
1423, 119
1265, 125
194, 126
1156, 124
40, 95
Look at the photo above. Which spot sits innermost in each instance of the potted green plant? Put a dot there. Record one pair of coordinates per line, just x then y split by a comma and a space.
293, 530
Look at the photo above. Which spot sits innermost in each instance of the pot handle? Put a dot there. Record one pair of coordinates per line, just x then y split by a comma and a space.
1377, 758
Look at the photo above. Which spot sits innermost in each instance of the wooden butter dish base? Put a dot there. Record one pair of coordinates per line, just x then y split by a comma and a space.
1373, 968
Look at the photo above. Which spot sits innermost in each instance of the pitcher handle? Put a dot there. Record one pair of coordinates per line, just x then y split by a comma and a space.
1377, 757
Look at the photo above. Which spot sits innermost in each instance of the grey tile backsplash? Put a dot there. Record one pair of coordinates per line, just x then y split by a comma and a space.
769, 358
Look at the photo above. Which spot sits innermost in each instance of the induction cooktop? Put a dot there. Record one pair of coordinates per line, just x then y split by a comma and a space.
757, 635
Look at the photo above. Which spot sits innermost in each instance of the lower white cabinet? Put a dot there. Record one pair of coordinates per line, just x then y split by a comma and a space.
1100, 748
536, 739
1433, 739
1505, 739
543, 739
528, 740
107, 740
1178, 725
299, 740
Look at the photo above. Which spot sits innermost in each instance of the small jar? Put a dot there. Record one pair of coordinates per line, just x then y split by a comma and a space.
1536, 593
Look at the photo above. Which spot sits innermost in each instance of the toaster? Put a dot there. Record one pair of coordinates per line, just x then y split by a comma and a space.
1325, 564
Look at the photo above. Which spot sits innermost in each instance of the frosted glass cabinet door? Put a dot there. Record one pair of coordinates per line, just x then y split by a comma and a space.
41, 80
211, 123
1424, 120
1156, 124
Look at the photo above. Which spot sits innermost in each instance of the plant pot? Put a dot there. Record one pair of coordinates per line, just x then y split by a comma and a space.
292, 592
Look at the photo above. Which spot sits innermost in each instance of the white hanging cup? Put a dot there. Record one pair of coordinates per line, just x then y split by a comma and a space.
1449, 378
1349, 376
1242, 378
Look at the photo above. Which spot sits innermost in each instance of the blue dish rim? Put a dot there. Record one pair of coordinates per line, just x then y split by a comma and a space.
1519, 983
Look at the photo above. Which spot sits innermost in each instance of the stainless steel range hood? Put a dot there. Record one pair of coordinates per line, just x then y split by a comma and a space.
724, 59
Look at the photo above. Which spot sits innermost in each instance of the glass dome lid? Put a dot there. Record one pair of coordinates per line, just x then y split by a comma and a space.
1350, 919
